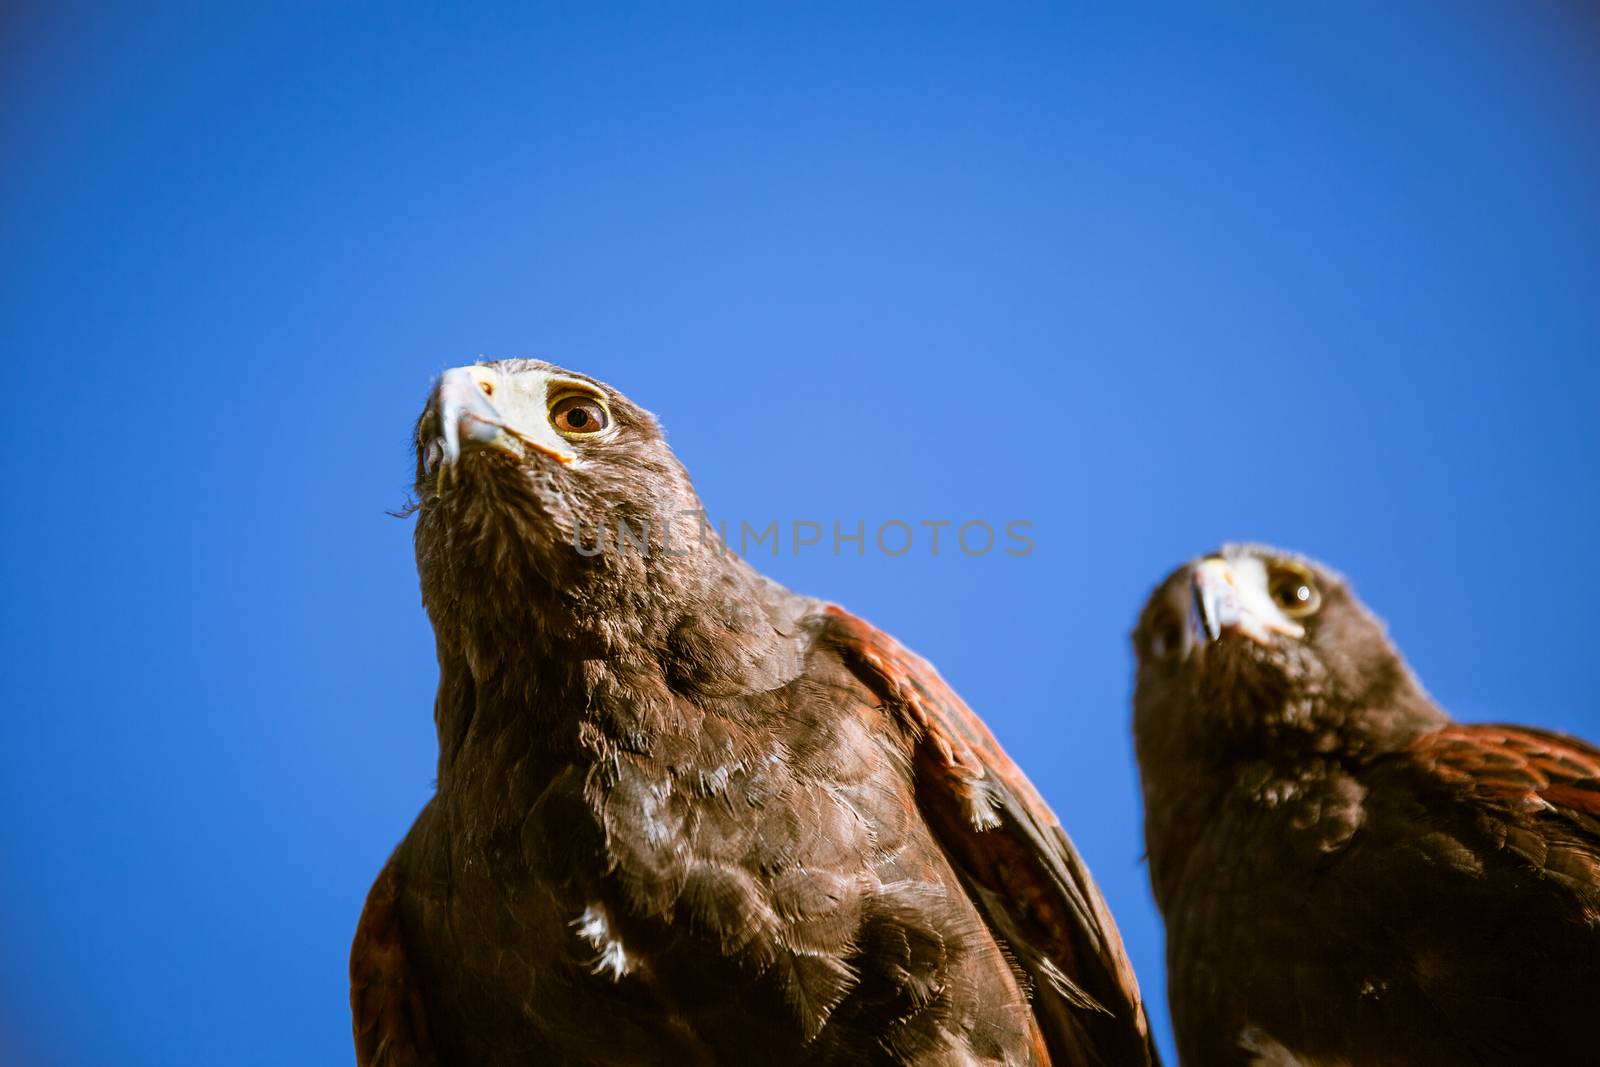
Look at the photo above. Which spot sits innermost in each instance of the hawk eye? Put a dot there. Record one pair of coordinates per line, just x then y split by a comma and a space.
579, 415
1293, 589
1166, 634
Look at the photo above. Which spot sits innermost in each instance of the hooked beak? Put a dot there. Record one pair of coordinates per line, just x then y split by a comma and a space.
465, 414
1220, 604
466, 419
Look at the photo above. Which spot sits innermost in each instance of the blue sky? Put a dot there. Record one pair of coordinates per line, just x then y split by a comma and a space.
1147, 280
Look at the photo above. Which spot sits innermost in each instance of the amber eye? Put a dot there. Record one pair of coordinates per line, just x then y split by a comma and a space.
1293, 589
579, 415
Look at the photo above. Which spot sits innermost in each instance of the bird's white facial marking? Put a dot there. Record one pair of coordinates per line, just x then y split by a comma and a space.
1234, 594
1250, 579
595, 927
522, 399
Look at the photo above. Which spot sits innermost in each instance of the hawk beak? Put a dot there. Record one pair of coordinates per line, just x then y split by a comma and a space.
466, 419
466, 415
1221, 604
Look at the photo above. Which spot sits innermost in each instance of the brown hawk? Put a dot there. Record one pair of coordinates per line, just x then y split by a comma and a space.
685, 816
1348, 877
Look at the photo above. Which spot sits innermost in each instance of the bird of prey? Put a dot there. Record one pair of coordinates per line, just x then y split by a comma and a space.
685, 816
1347, 876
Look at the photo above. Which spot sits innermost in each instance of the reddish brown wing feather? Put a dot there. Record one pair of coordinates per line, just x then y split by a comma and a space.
391, 1027
1544, 786
1024, 874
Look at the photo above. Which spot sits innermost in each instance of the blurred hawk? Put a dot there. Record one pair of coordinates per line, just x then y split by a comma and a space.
1348, 877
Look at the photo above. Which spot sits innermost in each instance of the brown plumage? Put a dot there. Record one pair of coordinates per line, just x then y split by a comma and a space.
686, 816
1347, 876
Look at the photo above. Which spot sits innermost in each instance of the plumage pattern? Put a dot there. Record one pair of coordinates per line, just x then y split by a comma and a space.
1346, 875
686, 816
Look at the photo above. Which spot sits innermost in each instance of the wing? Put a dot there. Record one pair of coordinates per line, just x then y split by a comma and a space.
391, 1027
1540, 791
1021, 870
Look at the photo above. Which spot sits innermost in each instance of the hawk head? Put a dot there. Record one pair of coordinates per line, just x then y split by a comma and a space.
551, 512
1250, 647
